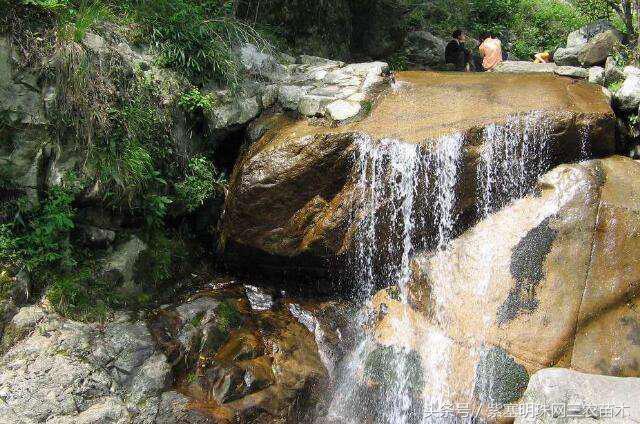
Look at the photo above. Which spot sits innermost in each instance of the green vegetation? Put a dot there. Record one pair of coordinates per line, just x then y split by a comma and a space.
201, 183
526, 26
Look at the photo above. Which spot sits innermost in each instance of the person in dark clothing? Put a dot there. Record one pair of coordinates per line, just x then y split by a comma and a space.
456, 53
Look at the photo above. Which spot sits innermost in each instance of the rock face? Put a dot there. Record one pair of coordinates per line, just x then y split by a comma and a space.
293, 191
548, 281
425, 50
582, 397
596, 51
68, 372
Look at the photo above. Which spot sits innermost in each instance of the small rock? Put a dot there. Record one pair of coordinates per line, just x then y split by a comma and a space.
612, 73
96, 237
269, 96
627, 98
95, 43
631, 70
596, 75
567, 57
119, 267
27, 318
572, 71
238, 112
289, 96
342, 109
582, 36
313, 105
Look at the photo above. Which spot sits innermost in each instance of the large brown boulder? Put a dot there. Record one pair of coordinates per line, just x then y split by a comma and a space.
294, 192
550, 280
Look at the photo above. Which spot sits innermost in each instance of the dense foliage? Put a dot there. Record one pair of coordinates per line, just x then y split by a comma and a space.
526, 26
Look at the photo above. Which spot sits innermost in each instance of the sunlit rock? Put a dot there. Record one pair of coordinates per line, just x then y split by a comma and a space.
549, 280
295, 191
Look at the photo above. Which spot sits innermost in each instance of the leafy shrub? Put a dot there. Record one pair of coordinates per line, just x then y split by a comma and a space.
194, 100
38, 239
81, 296
201, 183
195, 38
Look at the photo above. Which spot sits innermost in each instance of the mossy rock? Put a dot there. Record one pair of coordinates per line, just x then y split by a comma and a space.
380, 368
499, 378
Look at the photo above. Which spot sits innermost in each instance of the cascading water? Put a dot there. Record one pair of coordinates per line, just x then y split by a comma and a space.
408, 201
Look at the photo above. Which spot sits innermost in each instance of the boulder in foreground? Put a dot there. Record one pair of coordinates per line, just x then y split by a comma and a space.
578, 398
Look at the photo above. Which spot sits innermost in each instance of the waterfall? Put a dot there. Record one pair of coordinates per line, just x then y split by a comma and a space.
408, 200
513, 156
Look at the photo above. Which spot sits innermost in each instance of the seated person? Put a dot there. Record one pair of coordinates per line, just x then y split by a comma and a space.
491, 52
542, 57
456, 53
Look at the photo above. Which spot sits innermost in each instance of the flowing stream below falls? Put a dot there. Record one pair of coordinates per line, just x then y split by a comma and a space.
408, 198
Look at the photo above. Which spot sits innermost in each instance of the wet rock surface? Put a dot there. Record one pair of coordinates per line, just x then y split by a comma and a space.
248, 354
549, 280
292, 192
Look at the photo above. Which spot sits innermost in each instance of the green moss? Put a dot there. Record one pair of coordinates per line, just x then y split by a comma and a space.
381, 367
499, 379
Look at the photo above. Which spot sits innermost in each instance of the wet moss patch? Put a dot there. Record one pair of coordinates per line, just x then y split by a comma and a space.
527, 269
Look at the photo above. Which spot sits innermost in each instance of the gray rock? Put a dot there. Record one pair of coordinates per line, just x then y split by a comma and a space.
567, 56
261, 64
584, 398
96, 237
425, 49
342, 109
69, 372
583, 35
289, 96
188, 311
94, 43
119, 267
314, 60
612, 73
523, 67
27, 318
238, 112
596, 75
174, 409
627, 98
596, 51
269, 96
311, 105
631, 70
572, 71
